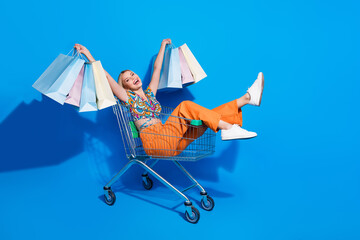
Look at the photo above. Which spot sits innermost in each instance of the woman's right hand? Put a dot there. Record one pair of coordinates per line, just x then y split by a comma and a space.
165, 42
82, 49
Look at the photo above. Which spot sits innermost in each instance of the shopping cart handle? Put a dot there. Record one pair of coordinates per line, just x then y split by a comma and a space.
196, 122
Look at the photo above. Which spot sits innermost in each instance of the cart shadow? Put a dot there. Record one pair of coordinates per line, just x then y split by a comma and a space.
208, 168
177, 207
134, 194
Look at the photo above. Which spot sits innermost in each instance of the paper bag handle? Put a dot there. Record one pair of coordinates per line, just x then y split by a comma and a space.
76, 53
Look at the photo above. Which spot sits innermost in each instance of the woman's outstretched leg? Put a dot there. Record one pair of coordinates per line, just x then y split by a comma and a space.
227, 117
231, 114
245, 99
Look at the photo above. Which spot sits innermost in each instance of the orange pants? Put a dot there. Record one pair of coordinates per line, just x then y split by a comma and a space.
172, 137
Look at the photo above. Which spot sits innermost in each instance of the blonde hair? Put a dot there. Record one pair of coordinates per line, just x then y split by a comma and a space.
119, 78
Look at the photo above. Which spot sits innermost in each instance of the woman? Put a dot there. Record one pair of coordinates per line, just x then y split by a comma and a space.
227, 117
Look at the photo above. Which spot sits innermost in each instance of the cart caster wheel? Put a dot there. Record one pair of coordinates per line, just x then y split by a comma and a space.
148, 184
110, 198
209, 204
195, 215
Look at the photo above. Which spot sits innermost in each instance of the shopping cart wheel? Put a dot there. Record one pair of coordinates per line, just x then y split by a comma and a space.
195, 215
208, 204
148, 184
110, 198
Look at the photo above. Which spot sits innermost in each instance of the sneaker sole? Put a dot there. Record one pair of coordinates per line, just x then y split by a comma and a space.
227, 139
262, 87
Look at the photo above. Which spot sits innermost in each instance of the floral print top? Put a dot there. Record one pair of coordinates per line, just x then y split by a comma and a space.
141, 108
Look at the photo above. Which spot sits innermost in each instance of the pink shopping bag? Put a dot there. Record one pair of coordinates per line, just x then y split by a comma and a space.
75, 93
186, 76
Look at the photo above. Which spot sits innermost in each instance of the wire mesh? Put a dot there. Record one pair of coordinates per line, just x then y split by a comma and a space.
175, 138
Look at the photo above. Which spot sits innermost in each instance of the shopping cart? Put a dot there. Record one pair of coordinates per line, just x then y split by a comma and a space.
199, 148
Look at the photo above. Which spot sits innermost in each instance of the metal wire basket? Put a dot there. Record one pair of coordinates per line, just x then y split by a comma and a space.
199, 147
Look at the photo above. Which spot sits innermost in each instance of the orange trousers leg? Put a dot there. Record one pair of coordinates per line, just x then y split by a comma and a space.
176, 134
228, 112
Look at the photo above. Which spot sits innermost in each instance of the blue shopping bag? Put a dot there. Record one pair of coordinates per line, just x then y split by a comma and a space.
170, 76
58, 79
88, 92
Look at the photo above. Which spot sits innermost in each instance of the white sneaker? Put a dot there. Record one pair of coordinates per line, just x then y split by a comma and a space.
236, 132
256, 90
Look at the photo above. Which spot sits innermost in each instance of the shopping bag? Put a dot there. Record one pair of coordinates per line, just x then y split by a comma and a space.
75, 93
104, 95
88, 92
195, 68
170, 76
186, 77
164, 69
59, 77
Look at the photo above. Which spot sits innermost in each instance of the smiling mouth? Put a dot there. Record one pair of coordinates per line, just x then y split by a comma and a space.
136, 82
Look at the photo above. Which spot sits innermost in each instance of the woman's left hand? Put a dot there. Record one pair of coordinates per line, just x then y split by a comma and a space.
166, 41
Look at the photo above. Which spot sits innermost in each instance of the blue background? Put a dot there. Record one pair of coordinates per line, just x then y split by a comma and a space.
299, 179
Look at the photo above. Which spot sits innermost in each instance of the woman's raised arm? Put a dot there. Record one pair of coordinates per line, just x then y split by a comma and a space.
117, 90
154, 83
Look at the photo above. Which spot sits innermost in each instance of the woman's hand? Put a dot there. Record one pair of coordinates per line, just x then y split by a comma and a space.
154, 83
82, 49
166, 41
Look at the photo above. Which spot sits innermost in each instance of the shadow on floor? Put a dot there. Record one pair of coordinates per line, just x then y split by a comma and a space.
41, 134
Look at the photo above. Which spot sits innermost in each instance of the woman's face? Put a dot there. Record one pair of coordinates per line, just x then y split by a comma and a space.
131, 80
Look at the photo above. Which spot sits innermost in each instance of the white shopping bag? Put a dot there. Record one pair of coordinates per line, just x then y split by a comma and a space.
195, 68
104, 95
